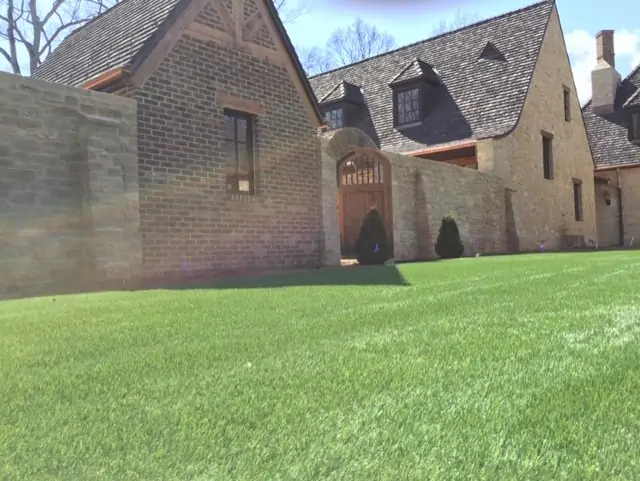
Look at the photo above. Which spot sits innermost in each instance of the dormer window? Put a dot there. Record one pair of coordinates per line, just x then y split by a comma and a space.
634, 127
415, 90
335, 118
407, 106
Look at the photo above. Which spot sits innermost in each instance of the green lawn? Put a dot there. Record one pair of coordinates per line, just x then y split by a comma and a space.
503, 368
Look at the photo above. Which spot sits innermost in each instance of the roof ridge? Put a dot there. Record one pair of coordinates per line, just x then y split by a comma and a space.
632, 98
481, 22
629, 75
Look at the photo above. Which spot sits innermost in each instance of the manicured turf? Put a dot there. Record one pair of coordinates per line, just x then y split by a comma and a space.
504, 368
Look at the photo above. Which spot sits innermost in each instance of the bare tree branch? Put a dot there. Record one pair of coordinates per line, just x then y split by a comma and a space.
35, 26
461, 20
290, 10
356, 42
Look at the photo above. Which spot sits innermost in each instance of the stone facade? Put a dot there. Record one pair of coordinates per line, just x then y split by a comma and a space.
190, 223
608, 213
423, 192
68, 187
544, 209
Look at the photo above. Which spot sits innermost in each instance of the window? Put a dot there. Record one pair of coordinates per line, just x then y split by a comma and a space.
408, 106
567, 104
239, 140
334, 117
547, 156
577, 199
634, 127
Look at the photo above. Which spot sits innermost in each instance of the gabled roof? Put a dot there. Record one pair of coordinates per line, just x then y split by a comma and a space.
417, 69
110, 40
344, 91
478, 99
124, 35
608, 134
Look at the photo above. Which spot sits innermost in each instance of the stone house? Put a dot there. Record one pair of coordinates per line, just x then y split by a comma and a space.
184, 140
497, 96
612, 117
228, 155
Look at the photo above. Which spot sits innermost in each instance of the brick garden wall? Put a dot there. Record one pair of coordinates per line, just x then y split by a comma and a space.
190, 224
424, 191
68, 187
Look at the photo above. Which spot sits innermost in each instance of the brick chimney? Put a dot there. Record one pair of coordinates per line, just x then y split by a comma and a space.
604, 77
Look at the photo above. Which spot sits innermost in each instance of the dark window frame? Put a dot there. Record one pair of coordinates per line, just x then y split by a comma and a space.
234, 178
335, 108
547, 156
633, 126
397, 92
577, 200
566, 99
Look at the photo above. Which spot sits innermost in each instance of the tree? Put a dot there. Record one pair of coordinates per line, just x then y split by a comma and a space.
459, 21
31, 29
356, 42
37, 27
373, 246
449, 245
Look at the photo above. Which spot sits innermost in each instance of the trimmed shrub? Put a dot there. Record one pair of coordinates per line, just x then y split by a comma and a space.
449, 245
373, 246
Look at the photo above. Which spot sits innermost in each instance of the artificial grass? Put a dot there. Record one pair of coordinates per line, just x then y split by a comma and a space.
509, 368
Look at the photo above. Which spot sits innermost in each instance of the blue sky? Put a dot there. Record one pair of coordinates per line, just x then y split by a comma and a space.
413, 20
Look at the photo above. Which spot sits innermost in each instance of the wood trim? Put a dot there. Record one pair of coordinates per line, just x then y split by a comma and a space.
208, 34
225, 100
442, 148
238, 18
105, 78
289, 65
615, 167
166, 43
225, 16
251, 26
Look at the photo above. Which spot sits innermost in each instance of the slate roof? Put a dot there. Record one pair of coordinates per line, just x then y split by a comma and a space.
608, 134
417, 69
108, 41
478, 98
344, 91
126, 33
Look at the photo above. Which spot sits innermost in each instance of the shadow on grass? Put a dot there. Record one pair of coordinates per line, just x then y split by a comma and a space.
331, 276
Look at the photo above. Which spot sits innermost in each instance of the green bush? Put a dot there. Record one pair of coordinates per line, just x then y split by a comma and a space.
449, 245
373, 246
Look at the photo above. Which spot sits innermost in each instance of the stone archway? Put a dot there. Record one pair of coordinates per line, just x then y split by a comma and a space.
361, 179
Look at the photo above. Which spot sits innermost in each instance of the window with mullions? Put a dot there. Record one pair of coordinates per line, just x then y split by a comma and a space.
239, 140
407, 106
334, 116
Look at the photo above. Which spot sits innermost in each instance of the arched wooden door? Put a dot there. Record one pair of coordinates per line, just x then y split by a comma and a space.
364, 178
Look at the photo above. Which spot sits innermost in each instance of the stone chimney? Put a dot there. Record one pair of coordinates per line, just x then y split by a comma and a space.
604, 77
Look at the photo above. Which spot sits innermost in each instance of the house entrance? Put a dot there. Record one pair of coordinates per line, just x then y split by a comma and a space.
364, 177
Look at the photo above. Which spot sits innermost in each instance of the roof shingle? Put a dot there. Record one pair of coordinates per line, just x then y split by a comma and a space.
608, 134
108, 41
478, 99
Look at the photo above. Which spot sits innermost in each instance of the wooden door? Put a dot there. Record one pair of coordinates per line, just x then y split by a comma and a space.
363, 185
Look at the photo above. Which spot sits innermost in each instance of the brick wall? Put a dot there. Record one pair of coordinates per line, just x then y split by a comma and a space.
190, 223
607, 215
424, 191
543, 208
68, 189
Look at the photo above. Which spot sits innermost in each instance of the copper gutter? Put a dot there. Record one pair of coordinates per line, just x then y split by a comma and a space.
105, 78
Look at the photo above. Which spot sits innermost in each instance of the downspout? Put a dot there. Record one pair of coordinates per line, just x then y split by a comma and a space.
620, 211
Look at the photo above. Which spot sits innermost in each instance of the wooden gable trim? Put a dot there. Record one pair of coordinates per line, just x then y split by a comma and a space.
105, 78
164, 40
442, 148
616, 167
293, 66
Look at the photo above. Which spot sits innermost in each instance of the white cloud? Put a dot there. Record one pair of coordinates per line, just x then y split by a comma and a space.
581, 46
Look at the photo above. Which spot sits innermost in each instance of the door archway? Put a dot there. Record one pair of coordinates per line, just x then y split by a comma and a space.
364, 182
